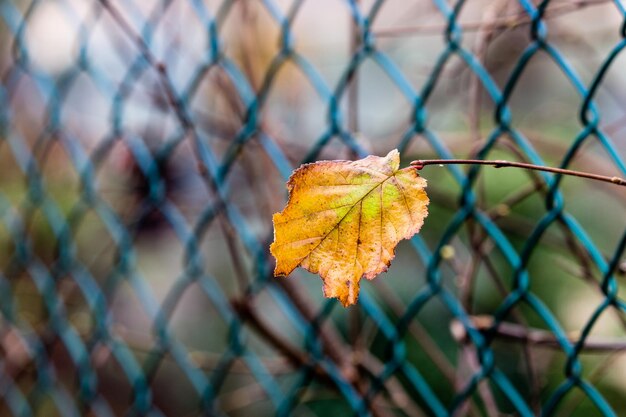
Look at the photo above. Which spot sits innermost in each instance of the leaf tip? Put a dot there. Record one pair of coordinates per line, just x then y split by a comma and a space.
393, 159
346, 296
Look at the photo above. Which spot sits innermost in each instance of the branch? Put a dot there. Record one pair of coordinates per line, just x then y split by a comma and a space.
419, 164
296, 357
505, 22
535, 337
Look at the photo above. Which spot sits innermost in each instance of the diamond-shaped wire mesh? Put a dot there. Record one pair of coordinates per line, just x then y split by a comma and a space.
145, 144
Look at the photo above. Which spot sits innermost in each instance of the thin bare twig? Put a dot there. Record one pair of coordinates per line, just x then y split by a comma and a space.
296, 357
419, 164
536, 337
506, 22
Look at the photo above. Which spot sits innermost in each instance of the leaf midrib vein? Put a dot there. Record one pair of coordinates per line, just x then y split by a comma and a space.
323, 238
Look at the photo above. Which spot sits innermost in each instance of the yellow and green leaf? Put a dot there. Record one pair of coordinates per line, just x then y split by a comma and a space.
345, 218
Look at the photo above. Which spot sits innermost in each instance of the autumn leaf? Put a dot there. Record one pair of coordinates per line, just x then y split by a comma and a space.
345, 218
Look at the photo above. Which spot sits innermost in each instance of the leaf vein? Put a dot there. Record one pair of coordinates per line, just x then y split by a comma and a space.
346, 215
402, 192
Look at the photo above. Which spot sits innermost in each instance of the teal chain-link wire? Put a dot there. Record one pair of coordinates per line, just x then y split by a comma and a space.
84, 395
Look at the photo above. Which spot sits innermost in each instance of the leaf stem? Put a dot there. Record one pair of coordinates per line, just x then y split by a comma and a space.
419, 164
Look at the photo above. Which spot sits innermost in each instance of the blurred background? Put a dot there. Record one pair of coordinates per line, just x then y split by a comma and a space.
145, 145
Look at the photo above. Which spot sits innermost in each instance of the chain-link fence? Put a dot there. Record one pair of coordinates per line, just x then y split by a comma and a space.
145, 145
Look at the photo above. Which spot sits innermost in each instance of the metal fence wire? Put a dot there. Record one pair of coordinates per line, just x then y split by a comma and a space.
145, 144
